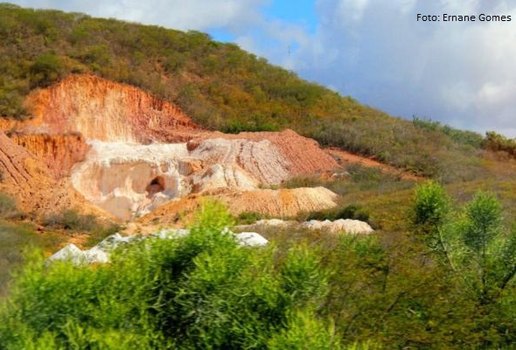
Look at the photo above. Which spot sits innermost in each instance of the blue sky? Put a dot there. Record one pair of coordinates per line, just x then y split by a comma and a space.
462, 74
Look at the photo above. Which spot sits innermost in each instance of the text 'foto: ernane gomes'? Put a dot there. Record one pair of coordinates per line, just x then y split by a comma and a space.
445, 17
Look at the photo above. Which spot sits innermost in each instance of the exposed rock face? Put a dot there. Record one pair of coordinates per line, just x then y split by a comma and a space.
29, 180
103, 110
23, 175
59, 152
301, 155
127, 179
119, 177
128, 152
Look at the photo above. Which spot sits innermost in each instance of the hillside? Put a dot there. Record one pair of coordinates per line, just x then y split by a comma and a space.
160, 190
220, 86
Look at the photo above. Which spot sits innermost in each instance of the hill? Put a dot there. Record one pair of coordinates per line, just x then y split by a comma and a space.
151, 152
220, 86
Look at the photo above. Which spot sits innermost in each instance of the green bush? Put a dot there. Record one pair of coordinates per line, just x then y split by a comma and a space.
46, 70
304, 331
304, 290
431, 207
473, 244
464, 137
247, 218
201, 291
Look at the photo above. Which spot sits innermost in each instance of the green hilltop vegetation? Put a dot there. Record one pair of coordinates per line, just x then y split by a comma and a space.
222, 87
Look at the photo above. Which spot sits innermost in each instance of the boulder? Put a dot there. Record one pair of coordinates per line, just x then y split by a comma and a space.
251, 239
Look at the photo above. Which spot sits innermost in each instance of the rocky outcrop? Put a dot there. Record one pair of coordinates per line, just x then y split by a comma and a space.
128, 152
104, 110
127, 179
29, 181
301, 155
23, 176
100, 253
341, 225
60, 152
273, 203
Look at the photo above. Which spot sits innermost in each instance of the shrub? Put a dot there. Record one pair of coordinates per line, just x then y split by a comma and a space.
247, 217
482, 223
7, 207
431, 207
496, 142
196, 292
45, 70
304, 331
464, 137
71, 219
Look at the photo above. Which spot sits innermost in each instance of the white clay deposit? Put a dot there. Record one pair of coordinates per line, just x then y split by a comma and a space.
128, 179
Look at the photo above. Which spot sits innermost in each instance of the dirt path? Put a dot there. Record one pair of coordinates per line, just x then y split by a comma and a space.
344, 157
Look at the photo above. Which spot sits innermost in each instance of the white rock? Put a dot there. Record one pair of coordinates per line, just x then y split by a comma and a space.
274, 222
113, 241
346, 225
96, 255
251, 239
71, 252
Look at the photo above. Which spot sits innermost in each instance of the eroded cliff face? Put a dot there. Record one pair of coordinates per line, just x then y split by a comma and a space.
60, 152
127, 179
103, 110
128, 152
27, 179
300, 155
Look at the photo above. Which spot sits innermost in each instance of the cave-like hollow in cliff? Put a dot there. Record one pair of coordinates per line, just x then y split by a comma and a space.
155, 186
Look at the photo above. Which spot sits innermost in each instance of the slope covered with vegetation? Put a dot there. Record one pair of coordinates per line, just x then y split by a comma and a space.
449, 284
219, 85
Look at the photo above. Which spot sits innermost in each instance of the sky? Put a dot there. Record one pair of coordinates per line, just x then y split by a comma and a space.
459, 73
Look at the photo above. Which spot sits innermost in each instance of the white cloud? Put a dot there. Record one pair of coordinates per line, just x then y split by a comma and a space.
459, 73
178, 14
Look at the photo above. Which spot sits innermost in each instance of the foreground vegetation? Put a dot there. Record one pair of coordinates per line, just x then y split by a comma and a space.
222, 87
444, 280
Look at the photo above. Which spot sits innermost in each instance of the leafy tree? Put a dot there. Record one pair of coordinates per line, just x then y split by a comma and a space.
45, 70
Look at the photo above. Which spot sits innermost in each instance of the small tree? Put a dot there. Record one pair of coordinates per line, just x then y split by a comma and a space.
430, 214
488, 254
46, 70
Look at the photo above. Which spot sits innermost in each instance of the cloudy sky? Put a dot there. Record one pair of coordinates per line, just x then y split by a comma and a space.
463, 74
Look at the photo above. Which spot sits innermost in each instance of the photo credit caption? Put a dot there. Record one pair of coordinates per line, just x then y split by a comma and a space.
445, 17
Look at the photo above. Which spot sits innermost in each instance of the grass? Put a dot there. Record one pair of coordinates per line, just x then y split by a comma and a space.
15, 238
357, 178
71, 222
